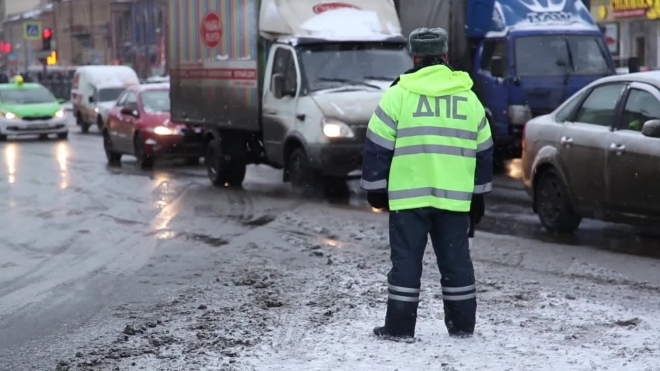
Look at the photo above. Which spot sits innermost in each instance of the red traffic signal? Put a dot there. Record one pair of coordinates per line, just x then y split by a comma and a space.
47, 33
5, 47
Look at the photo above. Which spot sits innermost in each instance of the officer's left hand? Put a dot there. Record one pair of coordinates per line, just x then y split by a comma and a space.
378, 200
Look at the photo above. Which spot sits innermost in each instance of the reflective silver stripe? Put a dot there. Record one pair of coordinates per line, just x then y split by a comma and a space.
458, 289
435, 149
385, 118
385, 143
402, 298
377, 184
403, 289
485, 145
429, 191
483, 124
459, 297
436, 130
483, 188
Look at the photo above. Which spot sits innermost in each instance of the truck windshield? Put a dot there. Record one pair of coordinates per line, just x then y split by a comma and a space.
110, 94
558, 55
334, 64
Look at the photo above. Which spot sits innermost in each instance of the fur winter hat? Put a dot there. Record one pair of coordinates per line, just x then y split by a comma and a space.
428, 42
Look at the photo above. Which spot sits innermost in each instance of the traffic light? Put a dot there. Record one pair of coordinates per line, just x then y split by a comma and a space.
5, 47
46, 36
51, 60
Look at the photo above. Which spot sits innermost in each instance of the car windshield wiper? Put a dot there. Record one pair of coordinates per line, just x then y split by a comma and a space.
347, 81
380, 78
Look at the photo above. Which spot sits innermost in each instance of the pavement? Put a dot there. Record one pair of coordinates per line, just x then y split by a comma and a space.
122, 269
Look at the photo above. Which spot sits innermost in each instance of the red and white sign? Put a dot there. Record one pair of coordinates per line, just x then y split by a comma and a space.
211, 30
320, 8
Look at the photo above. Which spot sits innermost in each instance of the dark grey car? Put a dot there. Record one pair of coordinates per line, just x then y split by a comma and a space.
597, 155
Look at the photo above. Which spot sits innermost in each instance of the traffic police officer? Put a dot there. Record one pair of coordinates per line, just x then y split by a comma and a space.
428, 154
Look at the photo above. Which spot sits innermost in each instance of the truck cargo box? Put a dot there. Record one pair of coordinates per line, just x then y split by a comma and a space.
213, 57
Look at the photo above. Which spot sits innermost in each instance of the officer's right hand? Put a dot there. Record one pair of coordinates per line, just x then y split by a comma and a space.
477, 209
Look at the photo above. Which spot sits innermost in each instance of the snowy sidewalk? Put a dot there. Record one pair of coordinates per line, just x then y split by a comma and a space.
305, 291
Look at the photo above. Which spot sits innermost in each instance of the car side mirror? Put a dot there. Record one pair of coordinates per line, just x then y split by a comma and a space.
651, 128
129, 111
277, 85
497, 67
91, 99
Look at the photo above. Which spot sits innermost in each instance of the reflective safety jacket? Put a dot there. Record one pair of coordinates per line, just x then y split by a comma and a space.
429, 143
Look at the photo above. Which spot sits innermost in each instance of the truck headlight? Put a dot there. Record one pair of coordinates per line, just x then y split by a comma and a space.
519, 114
59, 114
333, 128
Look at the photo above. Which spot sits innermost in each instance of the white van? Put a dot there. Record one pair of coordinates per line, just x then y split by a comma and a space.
95, 90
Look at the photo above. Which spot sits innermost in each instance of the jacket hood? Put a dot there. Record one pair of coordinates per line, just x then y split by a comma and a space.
436, 81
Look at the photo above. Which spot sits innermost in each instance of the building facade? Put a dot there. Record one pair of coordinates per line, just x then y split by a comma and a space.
631, 29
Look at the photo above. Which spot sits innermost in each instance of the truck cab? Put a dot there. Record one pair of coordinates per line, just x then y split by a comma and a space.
524, 57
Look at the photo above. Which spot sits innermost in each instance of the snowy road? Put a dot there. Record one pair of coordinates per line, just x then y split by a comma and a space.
105, 269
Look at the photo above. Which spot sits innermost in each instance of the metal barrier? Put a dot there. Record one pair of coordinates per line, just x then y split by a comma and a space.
61, 89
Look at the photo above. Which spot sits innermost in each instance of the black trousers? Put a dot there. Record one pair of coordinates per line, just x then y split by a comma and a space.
409, 231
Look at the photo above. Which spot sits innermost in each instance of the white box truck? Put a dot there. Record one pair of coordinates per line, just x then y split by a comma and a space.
288, 83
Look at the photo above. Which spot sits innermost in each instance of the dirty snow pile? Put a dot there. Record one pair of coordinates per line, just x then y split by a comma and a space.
305, 291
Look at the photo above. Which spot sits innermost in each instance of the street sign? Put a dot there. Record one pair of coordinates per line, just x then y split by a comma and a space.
32, 30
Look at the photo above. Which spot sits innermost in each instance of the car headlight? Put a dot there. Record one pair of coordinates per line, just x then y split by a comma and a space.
96, 110
333, 128
519, 114
162, 130
8, 115
59, 114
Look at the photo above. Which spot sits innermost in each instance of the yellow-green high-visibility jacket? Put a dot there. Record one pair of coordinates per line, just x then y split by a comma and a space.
429, 143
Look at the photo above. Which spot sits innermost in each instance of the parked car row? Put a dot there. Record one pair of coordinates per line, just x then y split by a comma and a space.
597, 155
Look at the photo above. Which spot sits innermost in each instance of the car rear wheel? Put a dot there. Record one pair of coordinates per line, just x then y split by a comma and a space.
113, 157
99, 122
144, 161
553, 204
3, 137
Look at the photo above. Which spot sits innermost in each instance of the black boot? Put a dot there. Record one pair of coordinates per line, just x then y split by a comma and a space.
400, 320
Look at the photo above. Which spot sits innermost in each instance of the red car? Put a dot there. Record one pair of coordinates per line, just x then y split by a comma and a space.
139, 125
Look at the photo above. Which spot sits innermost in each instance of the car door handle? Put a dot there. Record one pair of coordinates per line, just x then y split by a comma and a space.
618, 148
566, 140
270, 112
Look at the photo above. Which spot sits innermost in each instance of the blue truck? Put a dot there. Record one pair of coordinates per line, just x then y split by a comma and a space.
525, 56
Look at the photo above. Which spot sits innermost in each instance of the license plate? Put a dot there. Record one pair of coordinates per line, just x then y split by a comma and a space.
198, 130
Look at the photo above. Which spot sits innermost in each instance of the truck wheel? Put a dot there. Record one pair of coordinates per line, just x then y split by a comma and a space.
553, 204
221, 169
84, 127
304, 179
144, 161
113, 157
